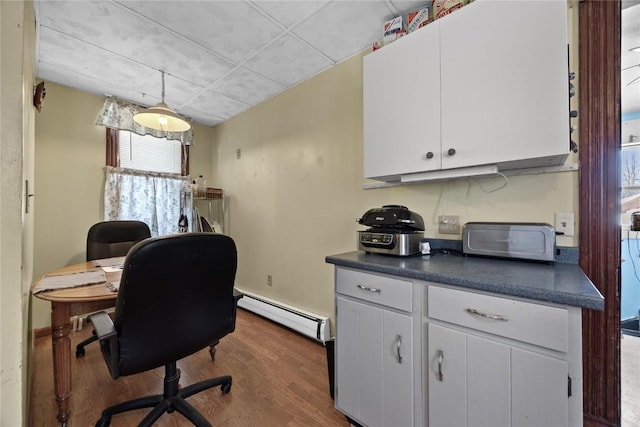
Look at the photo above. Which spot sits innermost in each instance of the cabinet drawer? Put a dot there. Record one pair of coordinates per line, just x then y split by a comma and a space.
537, 324
378, 289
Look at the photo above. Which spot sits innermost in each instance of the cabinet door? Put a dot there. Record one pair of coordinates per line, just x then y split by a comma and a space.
504, 82
358, 390
474, 389
488, 383
397, 360
539, 390
374, 364
401, 105
447, 377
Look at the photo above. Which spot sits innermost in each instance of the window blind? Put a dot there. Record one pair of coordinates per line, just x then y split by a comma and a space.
148, 153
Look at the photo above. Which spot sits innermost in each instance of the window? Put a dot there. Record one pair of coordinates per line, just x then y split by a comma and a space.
145, 152
145, 179
148, 153
630, 168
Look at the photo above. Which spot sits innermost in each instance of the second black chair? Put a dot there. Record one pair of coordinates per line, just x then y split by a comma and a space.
110, 239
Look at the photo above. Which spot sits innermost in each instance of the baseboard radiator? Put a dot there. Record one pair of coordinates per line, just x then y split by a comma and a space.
306, 323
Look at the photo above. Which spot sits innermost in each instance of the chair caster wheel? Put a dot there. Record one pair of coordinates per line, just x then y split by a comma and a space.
226, 388
80, 352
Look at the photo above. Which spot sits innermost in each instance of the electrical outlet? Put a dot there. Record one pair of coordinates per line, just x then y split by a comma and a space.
565, 223
238, 153
269, 280
449, 224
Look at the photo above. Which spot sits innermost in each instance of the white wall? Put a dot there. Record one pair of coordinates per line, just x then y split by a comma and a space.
296, 191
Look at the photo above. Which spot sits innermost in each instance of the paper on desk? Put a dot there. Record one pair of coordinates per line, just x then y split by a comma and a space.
72, 280
109, 262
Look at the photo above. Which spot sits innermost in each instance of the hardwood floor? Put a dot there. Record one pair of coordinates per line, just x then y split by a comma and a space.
279, 379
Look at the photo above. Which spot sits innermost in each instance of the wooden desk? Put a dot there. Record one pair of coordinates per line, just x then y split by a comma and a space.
64, 304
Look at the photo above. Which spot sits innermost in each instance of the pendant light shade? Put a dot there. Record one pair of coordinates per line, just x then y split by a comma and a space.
161, 117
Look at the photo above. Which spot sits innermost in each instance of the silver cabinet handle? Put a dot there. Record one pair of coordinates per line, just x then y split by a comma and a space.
440, 362
398, 345
364, 288
487, 315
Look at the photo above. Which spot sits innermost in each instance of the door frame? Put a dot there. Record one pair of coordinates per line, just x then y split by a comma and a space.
599, 204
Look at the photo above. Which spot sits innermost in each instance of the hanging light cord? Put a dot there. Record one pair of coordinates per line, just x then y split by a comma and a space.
162, 85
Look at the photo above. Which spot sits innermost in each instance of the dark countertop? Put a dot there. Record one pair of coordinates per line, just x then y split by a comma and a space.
550, 282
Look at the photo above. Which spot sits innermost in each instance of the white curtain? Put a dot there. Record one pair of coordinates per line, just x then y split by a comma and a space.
154, 198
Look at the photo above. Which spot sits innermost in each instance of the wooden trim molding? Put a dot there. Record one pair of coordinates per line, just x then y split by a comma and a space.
42, 332
599, 183
184, 160
113, 147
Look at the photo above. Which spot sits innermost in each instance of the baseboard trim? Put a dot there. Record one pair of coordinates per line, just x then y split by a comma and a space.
42, 332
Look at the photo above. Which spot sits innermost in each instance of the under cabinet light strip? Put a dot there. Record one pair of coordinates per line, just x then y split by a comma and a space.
450, 174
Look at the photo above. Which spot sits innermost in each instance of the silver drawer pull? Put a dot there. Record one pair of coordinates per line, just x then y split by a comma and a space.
364, 288
398, 345
440, 362
487, 315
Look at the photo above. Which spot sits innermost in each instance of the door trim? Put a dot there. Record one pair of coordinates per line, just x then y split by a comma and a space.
599, 204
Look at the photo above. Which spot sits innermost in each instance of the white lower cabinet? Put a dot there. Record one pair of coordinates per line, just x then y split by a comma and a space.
475, 381
416, 353
499, 361
374, 364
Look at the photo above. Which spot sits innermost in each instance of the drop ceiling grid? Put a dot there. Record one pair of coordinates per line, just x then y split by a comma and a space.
221, 57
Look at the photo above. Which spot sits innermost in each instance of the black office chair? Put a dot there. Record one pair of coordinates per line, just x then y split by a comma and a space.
110, 239
175, 298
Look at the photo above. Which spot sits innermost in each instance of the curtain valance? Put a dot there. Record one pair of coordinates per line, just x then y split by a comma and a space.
118, 114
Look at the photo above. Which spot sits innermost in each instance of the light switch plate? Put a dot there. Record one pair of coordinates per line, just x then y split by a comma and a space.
565, 223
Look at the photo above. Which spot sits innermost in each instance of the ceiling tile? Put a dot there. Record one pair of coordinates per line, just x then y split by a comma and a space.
85, 59
202, 117
247, 86
217, 105
86, 83
119, 31
344, 28
288, 61
288, 13
233, 29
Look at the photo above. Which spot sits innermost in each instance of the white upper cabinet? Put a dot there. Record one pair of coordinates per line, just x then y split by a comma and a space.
487, 84
402, 105
505, 85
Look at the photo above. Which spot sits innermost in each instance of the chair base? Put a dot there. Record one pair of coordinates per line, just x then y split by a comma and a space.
81, 345
172, 400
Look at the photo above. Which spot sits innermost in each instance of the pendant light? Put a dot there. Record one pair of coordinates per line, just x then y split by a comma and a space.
161, 117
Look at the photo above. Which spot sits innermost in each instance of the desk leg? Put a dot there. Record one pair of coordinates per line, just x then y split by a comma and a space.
60, 328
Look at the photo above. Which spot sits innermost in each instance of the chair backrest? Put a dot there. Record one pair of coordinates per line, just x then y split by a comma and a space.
175, 298
109, 239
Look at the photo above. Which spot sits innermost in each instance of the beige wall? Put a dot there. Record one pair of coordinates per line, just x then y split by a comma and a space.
69, 180
17, 39
296, 191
